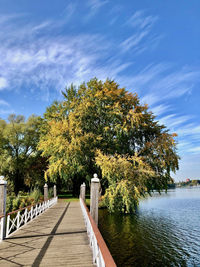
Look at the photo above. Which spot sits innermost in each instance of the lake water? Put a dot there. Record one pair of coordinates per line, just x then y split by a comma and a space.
165, 231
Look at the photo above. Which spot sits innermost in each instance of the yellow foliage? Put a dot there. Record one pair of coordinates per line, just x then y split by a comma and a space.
102, 126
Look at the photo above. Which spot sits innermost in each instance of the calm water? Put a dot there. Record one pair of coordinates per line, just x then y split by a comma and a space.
165, 231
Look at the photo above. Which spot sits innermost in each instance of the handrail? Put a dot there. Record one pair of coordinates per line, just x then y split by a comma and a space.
27, 207
108, 260
30, 212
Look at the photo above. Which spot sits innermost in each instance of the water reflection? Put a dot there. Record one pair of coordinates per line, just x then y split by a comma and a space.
164, 231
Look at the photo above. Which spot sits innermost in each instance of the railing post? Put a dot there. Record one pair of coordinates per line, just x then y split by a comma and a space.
25, 215
36, 210
94, 198
54, 191
18, 219
3, 192
83, 191
31, 212
8, 223
45, 192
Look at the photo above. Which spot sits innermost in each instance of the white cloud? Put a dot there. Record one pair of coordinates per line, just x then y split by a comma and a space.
195, 149
176, 83
190, 129
6, 111
3, 103
189, 167
42, 26
69, 11
3, 83
149, 99
160, 109
173, 120
49, 62
138, 19
96, 4
160, 82
142, 38
133, 41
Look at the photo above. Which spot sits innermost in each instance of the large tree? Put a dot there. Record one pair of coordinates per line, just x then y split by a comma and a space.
20, 161
100, 127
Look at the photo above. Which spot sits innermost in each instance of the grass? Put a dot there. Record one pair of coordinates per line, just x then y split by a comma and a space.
68, 197
71, 199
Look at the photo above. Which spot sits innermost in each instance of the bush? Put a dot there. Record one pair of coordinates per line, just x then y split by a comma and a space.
9, 204
23, 200
50, 193
36, 195
16, 203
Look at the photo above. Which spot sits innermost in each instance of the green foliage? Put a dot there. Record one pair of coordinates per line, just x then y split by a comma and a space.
50, 192
127, 177
102, 128
23, 199
20, 162
36, 195
9, 204
16, 203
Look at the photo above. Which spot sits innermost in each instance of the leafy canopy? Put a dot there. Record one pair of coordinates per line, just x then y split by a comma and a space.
20, 162
100, 127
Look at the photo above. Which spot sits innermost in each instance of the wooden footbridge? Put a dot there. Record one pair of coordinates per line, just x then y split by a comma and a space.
64, 234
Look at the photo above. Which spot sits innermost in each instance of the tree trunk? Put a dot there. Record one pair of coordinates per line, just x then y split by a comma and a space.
76, 187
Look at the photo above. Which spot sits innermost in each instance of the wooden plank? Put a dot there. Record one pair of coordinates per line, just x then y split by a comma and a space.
55, 238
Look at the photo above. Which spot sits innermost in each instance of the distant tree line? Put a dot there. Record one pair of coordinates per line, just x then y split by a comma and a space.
188, 183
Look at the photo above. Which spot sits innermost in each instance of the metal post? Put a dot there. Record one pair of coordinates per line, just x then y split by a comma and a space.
3, 192
94, 198
83, 189
45, 192
54, 191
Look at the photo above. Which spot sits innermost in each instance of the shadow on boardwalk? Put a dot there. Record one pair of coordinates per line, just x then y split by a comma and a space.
56, 238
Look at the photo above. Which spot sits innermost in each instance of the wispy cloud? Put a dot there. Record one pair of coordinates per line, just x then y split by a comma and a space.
3, 83
69, 10
4, 103
177, 83
160, 82
173, 120
42, 26
142, 26
191, 129
49, 63
160, 109
96, 4
133, 41
140, 20
149, 99
187, 130
6, 111
94, 8
189, 167
195, 149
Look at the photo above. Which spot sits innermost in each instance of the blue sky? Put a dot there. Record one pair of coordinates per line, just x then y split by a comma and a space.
150, 47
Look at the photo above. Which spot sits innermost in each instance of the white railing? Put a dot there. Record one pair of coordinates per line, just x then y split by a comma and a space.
101, 254
18, 218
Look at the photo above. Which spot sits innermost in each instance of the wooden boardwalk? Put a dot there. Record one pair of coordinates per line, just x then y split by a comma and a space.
57, 237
